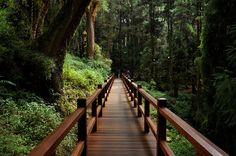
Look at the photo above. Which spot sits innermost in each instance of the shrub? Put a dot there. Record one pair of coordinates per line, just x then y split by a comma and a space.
25, 120
81, 78
179, 145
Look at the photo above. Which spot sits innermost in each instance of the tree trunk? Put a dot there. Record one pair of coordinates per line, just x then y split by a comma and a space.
152, 39
90, 34
90, 23
172, 86
54, 42
37, 18
198, 53
42, 16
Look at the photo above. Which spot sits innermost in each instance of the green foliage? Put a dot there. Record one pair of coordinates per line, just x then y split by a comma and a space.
7, 82
38, 62
151, 88
231, 49
21, 66
4, 26
103, 5
81, 78
146, 66
24, 121
27, 119
181, 105
18, 63
216, 113
68, 143
179, 145
225, 101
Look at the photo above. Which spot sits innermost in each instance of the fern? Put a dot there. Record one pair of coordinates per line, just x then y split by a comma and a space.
225, 101
231, 50
7, 82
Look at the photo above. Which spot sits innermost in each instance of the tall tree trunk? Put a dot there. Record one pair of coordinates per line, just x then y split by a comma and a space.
34, 19
120, 40
152, 39
54, 42
198, 53
90, 22
90, 33
173, 86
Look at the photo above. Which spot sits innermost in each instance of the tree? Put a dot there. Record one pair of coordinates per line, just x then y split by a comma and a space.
90, 24
218, 98
54, 41
173, 85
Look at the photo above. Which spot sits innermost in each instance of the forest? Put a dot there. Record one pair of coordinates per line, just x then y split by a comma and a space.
53, 52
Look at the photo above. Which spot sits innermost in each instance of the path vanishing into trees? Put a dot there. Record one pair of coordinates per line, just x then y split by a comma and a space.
120, 131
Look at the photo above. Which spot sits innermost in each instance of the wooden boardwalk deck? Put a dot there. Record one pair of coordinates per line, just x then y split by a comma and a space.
120, 131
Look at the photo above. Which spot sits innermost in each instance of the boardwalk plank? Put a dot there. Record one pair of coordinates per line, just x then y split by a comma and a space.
119, 131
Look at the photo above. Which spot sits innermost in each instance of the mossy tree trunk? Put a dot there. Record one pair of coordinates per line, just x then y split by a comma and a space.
53, 43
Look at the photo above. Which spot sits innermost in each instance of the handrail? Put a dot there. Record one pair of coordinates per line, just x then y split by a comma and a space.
49, 144
202, 145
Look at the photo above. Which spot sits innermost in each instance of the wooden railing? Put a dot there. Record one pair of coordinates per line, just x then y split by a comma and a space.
202, 145
48, 146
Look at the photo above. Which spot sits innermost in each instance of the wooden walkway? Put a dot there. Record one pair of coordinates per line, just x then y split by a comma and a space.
120, 131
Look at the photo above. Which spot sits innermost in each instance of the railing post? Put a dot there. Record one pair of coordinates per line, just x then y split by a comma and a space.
132, 90
105, 92
100, 100
125, 82
147, 114
139, 101
82, 126
108, 87
94, 114
135, 96
111, 83
161, 126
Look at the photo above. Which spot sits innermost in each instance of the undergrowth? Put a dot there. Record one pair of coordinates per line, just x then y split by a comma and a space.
81, 78
25, 119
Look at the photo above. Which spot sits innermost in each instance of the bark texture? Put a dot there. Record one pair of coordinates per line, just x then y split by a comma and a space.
54, 42
90, 22
90, 34
38, 17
